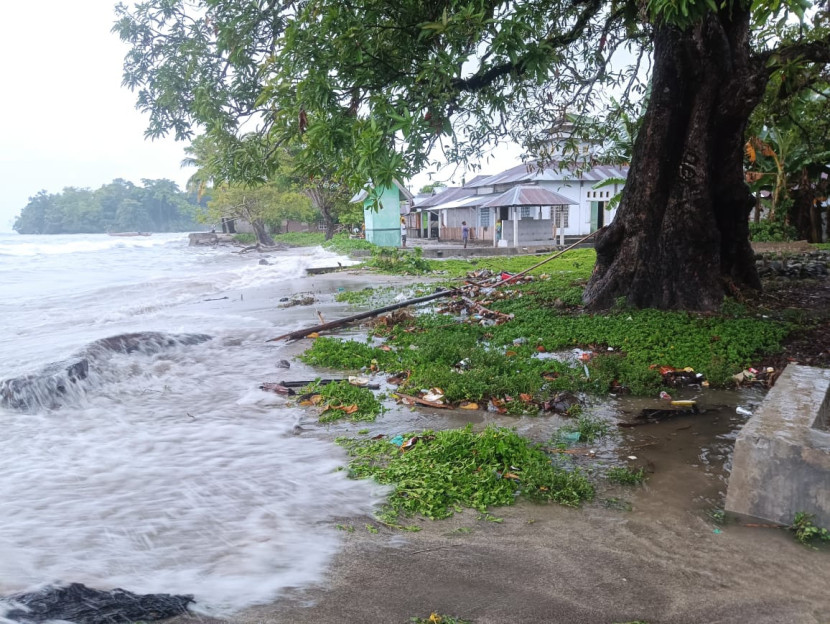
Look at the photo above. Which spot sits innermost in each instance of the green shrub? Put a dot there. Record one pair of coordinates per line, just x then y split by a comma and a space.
806, 531
771, 231
394, 260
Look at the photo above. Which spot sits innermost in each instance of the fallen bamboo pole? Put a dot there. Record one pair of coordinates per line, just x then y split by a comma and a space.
538, 264
302, 333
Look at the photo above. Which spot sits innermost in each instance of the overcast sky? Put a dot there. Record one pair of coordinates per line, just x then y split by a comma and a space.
65, 119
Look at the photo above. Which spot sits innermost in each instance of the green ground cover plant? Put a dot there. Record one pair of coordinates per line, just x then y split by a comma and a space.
339, 243
341, 400
512, 362
625, 476
445, 471
343, 244
300, 239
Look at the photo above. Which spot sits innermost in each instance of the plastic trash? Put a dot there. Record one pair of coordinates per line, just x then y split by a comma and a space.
520, 341
397, 440
571, 437
665, 395
742, 411
434, 394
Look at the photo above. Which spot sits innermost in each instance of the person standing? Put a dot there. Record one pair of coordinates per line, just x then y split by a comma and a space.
465, 233
403, 232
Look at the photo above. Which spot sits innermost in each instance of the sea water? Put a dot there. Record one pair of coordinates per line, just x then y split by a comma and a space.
166, 471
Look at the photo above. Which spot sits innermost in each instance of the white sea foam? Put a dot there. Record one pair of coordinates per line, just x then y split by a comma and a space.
21, 246
167, 472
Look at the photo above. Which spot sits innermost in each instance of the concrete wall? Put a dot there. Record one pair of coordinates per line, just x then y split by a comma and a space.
580, 218
530, 230
781, 463
383, 226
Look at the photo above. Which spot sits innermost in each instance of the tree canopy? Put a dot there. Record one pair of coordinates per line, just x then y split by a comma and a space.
368, 89
156, 206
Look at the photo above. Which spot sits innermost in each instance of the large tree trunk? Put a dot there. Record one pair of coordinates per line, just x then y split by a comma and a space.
805, 211
321, 200
261, 232
680, 238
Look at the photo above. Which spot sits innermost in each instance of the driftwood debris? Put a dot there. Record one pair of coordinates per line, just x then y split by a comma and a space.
321, 270
421, 401
302, 333
287, 387
487, 311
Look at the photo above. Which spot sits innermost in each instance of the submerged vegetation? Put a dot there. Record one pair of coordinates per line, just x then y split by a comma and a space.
436, 473
378, 297
625, 476
341, 400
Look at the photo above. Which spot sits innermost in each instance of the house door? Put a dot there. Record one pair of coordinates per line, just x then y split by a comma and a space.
597, 215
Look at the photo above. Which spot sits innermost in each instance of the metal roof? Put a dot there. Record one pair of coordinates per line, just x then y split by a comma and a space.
464, 202
449, 194
364, 193
528, 195
533, 172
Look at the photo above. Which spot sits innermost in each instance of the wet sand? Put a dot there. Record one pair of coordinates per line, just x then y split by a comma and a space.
650, 553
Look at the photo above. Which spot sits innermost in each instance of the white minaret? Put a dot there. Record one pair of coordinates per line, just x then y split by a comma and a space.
561, 144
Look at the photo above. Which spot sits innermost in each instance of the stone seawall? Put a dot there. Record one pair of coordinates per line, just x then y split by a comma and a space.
781, 463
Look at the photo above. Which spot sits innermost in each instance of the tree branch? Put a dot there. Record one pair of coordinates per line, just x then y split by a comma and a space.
812, 51
482, 80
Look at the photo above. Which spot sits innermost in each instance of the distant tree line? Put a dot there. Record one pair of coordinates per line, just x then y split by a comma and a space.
120, 206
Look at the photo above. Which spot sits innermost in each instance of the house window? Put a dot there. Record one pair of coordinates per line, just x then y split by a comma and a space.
560, 216
526, 212
484, 217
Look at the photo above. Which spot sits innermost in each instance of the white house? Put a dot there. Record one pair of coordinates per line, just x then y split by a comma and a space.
568, 205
